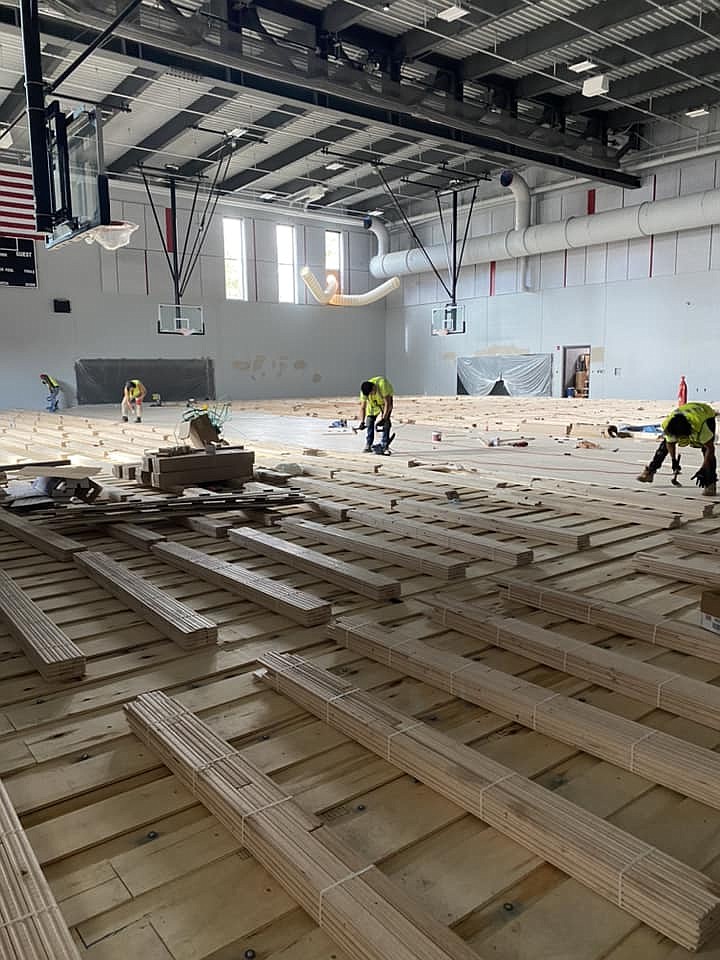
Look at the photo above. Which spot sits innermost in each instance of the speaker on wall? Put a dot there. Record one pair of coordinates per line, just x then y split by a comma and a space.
61, 306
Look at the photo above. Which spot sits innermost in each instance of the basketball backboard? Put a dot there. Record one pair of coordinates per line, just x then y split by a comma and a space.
182, 319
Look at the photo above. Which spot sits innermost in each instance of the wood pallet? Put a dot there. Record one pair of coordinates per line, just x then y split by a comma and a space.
173, 619
48, 649
301, 607
31, 925
357, 579
679, 902
363, 912
49, 541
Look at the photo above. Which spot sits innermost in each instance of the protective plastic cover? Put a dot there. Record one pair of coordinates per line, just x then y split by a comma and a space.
102, 381
527, 375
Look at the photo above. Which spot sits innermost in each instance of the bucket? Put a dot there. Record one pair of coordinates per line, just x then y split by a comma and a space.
436, 436
570, 393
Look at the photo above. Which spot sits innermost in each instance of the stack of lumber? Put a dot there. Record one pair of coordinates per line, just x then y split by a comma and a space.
366, 915
645, 682
127, 471
31, 925
689, 571
48, 649
675, 763
303, 608
641, 624
192, 469
414, 558
171, 617
50, 542
367, 583
671, 897
697, 542
474, 546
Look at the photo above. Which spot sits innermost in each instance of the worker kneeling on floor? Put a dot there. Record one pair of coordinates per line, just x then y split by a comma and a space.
133, 395
691, 425
376, 403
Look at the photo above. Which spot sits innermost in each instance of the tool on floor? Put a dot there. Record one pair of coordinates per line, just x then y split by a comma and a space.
383, 450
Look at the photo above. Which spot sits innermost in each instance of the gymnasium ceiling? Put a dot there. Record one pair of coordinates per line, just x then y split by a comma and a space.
282, 97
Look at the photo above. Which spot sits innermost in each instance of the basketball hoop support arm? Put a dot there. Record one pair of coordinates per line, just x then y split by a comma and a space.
35, 99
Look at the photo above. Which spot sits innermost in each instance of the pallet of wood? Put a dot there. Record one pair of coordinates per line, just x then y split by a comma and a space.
31, 924
172, 618
46, 646
37, 535
414, 558
670, 761
350, 576
632, 622
659, 890
360, 909
301, 607
677, 568
645, 682
191, 469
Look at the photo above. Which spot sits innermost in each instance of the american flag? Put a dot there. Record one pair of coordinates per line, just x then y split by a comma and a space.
17, 204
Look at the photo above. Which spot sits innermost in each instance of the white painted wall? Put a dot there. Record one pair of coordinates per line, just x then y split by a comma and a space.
648, 307
260, 348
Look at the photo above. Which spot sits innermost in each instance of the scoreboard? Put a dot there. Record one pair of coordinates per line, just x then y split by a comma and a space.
17, 262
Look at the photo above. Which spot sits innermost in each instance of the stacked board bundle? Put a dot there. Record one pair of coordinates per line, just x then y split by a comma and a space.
668, 895
31, 925
188, 469
358, 907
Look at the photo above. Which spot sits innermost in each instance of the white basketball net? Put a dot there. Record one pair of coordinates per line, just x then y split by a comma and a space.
111, 236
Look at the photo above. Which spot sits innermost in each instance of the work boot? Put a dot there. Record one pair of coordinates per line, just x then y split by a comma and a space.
647, 476
710, 490
124, 419
367, 448
138, 419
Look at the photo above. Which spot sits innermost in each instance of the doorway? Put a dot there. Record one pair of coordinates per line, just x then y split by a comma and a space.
576, 370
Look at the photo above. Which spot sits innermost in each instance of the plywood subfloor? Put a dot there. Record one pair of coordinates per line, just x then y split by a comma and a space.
140, 868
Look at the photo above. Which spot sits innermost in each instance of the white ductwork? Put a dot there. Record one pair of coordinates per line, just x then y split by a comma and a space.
330, 297
643, 220
521, 191
381, 234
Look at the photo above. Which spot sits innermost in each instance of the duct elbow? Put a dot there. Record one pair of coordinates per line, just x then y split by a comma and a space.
521, 192
378, 228
364, 299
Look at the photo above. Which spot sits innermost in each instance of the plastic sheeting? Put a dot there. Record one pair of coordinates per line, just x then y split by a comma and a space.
527, 375
102, 381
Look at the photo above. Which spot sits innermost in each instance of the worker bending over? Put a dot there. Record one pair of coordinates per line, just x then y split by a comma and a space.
53, 397
691, 425
133, 395
376, 403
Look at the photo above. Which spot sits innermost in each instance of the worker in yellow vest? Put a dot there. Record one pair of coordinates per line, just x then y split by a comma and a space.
691, 425
53, 388
133, 395
376, 404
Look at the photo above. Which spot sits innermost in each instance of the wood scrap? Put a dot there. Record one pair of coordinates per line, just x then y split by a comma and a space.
45, 539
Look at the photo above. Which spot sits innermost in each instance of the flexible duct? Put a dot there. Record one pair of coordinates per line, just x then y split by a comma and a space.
381, 234
643, 220
521, 191
330, 296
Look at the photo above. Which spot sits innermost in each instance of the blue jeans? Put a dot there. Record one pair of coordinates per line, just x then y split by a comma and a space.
53, 399
370, 424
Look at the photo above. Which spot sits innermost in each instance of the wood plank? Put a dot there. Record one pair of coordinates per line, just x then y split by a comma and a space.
684, 905
347, 575
301, 607
47, 647
42, 537
135, 535
422, 560
688, 571
346, 896
702, 543
174, 619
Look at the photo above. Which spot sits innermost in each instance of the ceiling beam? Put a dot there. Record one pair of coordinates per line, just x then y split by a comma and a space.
420, 40
668, 40
342, 14
661, 106
129, 89
609, 13
700, 67
172, 129
14, 103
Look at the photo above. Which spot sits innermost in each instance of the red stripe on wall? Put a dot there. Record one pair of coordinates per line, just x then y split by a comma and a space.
169, 230
493, 266
591, 202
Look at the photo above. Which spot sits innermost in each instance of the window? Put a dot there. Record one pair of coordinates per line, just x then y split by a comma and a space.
235, 259
285, 238
333, 256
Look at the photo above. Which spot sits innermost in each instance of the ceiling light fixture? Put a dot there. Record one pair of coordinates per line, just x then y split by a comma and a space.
268, 196
375, 213
335, 165
386, 7
237, 132
596, 86
455, 12
697, 112
582, 66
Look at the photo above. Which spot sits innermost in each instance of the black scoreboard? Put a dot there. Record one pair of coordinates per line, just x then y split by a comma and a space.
17, 262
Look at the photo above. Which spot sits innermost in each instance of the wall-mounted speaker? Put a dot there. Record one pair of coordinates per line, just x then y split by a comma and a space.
61, 306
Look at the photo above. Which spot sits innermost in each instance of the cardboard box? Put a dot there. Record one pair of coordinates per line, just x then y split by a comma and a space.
710, 610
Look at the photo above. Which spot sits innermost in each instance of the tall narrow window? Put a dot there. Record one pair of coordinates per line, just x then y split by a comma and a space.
286, 268
235, 259
333, 257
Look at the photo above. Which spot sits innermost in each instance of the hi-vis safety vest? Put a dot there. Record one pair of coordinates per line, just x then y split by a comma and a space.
697, 415
376, 401
136, 389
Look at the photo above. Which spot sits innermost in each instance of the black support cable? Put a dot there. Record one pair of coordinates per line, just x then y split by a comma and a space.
465, 232
213, 198
441, 218
187, 232
161, 234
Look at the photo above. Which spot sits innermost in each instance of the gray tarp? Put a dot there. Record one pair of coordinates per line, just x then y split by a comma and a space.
527, 375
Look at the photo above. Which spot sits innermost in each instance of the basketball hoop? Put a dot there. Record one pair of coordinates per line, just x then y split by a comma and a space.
111, 236
186, 331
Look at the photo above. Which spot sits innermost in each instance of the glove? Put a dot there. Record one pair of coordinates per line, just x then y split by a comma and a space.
362, 425
676, 465
704, 477
379, 423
